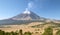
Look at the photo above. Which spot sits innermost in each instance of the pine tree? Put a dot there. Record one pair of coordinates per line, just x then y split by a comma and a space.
20, 32
27, 33
48, 31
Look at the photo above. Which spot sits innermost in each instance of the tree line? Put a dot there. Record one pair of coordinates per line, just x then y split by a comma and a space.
47, 31
14, 33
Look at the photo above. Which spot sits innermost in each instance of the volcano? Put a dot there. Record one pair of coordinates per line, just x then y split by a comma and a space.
26, 15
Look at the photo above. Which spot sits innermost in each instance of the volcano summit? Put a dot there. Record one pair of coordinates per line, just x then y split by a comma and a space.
26, 15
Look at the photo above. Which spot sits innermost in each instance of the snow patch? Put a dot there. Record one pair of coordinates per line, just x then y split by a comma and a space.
26, 11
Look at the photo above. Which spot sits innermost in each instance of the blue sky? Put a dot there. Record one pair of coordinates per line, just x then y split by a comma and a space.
43, 8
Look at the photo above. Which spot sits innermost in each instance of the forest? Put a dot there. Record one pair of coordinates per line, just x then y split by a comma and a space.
47, 31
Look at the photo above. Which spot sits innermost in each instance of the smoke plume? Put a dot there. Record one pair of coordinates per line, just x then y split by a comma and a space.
30, 5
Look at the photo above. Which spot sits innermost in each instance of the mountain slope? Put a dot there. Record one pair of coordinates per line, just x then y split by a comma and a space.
26, 15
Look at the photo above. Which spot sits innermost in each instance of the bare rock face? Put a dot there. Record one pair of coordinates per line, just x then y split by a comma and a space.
26, 15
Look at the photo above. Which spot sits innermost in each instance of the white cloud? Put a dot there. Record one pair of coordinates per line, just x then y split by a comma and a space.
2, 18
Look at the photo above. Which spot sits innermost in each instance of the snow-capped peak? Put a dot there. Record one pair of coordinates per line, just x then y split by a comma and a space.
26, 11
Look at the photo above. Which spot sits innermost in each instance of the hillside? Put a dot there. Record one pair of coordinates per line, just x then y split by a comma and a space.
31, 27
